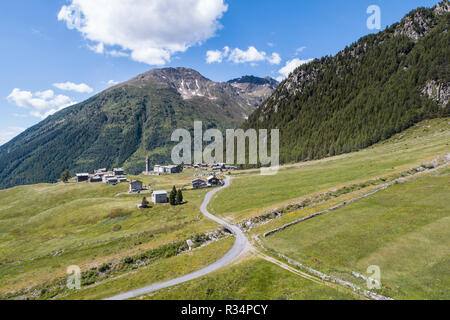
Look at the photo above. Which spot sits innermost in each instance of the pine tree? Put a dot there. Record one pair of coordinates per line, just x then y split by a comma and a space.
179, 197
173, 196
65, 176
144, 203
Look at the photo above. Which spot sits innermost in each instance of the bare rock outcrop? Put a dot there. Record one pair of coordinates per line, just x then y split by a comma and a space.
437, 91
415, 26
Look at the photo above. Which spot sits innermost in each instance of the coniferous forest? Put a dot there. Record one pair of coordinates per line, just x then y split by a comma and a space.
365, 94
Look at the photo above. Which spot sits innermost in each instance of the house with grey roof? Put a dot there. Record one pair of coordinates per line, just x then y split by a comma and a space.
160, 197
213, 181
135, 186
81, 177
119, 172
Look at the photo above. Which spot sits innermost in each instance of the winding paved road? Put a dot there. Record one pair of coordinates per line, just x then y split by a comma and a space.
239, 246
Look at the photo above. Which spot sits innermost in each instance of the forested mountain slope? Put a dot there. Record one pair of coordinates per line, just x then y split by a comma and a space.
379, 86
124, 124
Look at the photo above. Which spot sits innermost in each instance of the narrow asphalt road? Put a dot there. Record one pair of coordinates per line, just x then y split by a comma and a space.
239, 246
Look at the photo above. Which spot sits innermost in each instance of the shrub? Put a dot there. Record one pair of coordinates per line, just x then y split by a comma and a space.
104, 267
65, 176
88, 277
128, 260
200, 238
145, 204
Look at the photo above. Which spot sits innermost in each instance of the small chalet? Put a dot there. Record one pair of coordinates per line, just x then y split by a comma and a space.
160, 197
198, 184
112, 181
135, 186
213, 181
119, 172
81, 177
121, 179
168, 169
105, 177
174, 169
95, 179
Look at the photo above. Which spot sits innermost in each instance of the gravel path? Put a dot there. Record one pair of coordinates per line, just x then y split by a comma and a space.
239, 247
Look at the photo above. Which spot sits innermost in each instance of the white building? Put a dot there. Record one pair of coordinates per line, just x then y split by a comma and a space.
168, 169
160, 197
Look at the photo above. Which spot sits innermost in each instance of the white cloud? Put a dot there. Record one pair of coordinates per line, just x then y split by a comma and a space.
151, 30
40, 104
97, 48
112, 82
70, 86
214, 56
299, 50
275, 59
290, 66
217, 56
251, 55
117, 53
8, 133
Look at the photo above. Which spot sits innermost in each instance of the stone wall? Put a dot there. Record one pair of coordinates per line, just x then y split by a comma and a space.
324, 277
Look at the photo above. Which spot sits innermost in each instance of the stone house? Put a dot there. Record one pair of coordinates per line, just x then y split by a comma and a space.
81, 177
112, 181
95, 179
160, 197
135, 186
198, 184
119, 172
168, 169
213, 181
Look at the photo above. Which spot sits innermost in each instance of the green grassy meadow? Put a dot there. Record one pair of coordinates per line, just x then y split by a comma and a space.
45, 228
253, 279
159, 271
405, 230
252, 193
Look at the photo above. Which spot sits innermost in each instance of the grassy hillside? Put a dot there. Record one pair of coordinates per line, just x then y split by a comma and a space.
251, 193
405, 230
254, 279
45, 228
157, 272
365, 94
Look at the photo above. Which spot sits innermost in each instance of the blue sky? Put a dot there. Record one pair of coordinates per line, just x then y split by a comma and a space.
49, 59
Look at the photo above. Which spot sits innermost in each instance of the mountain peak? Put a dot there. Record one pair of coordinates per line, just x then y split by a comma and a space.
255, 80
419, 22
248, 91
